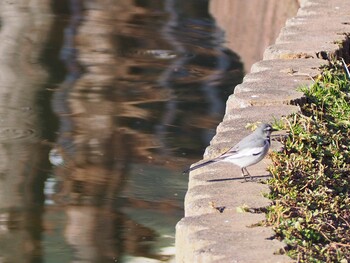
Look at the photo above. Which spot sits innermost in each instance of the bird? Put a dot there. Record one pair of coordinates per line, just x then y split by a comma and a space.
250, 150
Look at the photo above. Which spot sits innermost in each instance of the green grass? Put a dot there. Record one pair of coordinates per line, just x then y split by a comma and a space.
311, 176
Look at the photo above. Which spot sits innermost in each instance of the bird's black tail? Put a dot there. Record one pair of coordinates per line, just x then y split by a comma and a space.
198, 166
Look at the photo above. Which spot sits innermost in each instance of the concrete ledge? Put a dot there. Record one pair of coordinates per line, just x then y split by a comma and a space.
214, 229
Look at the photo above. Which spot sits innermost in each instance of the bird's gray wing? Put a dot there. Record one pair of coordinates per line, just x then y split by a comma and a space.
249, 141
245, 148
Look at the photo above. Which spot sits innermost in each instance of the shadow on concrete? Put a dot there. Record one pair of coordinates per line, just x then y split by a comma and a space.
253, 180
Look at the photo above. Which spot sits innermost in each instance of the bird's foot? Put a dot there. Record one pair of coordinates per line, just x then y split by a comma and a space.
248, 178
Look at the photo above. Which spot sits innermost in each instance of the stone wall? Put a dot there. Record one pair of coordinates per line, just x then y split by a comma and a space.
249, 31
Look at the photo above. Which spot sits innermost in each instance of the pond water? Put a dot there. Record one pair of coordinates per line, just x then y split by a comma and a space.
103, 104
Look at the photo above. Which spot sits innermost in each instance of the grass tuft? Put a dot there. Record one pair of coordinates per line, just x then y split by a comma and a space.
311, 176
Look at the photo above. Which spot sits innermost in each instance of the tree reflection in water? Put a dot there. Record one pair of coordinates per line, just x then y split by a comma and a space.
142, 86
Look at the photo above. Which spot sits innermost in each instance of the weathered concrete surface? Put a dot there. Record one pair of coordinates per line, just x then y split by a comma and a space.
206, 234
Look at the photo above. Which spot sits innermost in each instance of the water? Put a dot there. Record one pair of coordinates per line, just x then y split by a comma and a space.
102, 105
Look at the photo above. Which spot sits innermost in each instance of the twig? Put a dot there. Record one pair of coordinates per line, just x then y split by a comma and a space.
346, 68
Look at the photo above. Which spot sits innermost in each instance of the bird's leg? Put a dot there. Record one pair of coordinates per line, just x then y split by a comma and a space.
250, 177
246, 173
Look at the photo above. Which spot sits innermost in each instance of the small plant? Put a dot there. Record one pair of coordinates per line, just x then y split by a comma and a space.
311, 177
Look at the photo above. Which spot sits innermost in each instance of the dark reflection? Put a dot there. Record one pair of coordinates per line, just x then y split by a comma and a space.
125, 129
137, 88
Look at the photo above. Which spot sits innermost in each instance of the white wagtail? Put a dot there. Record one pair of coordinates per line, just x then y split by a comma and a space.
250, 150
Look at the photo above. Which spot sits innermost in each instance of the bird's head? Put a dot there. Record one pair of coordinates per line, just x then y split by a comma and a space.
265, 130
